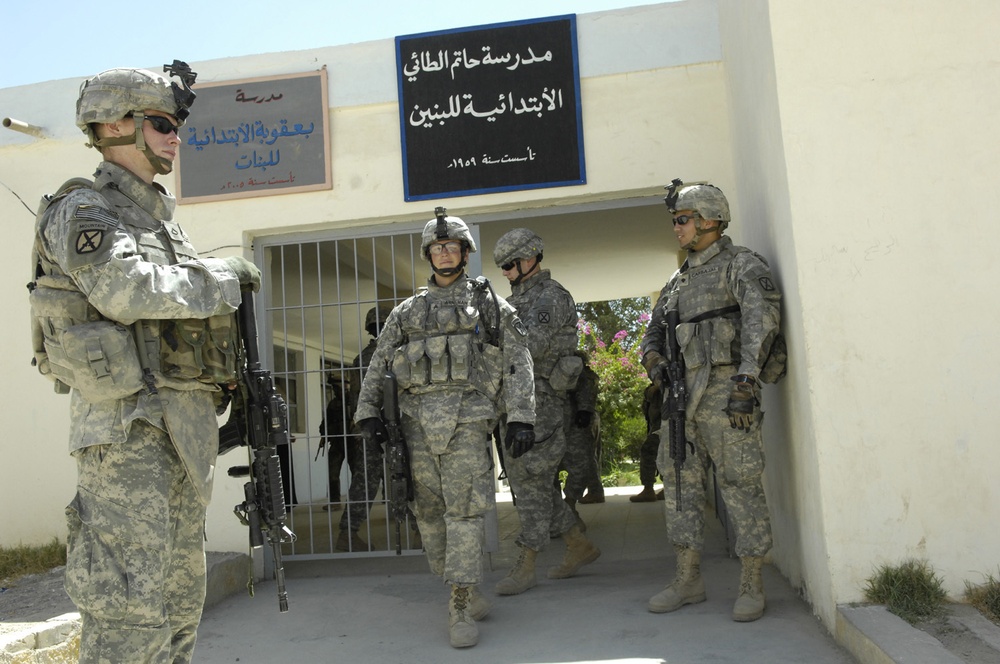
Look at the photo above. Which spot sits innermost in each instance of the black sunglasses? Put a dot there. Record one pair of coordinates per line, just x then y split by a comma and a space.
508, 266
162, 124
684, 218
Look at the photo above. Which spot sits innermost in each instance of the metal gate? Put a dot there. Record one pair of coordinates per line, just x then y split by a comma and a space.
318, 293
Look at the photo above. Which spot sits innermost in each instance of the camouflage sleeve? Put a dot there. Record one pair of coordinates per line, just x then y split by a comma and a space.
370, 395
90, 244
655, 338
551, 323
752, 285
518, 369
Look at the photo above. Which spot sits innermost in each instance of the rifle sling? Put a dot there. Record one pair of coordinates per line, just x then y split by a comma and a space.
716, 313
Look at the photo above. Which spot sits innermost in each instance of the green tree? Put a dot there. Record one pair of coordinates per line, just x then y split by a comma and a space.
621, 378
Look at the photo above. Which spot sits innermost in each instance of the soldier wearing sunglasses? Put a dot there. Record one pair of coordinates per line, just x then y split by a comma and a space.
727, 305
138, 330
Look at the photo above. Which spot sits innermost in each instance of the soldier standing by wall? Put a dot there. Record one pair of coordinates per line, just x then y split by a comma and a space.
458, 352
142, 330
728, 306
548, 311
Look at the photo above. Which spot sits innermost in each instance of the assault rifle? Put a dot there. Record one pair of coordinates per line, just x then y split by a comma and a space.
400, 483
675, 401
264, 415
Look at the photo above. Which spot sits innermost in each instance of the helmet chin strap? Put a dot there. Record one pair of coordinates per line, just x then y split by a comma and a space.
698, 233
448, 271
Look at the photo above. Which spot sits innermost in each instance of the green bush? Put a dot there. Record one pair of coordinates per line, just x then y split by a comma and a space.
911, 590
21, 560
985, 597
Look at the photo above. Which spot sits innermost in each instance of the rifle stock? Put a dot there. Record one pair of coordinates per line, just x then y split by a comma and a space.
400, 483
266, 416
675, 404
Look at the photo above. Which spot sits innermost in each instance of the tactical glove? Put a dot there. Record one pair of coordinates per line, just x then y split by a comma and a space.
742, 399
374, 431
656, 367
520, 438
246, 272
583, 418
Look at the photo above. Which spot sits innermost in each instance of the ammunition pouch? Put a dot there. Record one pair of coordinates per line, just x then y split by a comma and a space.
199, 349
566, 373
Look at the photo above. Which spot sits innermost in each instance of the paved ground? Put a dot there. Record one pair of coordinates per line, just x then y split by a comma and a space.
393, 610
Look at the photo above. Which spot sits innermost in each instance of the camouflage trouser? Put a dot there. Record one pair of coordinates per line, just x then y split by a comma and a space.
580, 460
135, 551
739, 460
647, 459
451, 493
365, 462
540, 506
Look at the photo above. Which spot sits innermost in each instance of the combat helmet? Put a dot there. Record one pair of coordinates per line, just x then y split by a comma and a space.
375, 318
118, 93
515, 244
704, 198
444, 227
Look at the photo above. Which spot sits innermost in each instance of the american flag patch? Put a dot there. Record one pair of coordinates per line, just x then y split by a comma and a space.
96, 213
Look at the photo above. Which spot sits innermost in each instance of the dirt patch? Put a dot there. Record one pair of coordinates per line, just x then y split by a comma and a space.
34, 598
960, 640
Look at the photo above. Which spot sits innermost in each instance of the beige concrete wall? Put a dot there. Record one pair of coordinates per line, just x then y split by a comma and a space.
879, 205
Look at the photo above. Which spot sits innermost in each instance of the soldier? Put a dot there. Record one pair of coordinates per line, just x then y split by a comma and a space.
458, 352
548, 311
652, 405
728, 306
140, 331
582, 426
365, 461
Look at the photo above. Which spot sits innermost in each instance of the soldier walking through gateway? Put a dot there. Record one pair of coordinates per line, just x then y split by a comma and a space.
728, 308
548, 311
459, 356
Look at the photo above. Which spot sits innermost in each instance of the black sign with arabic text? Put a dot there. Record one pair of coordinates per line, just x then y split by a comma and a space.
491, 108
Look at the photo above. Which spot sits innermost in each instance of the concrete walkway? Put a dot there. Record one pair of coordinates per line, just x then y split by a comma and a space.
393, 610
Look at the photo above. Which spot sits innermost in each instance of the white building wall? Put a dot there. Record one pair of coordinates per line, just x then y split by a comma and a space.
874, 136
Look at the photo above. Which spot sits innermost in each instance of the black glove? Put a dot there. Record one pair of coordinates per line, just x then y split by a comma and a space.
742, 400
583, 418
246, 272
520, 438
374, 431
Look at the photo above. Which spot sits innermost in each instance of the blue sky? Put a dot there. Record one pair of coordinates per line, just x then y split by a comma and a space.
58, 39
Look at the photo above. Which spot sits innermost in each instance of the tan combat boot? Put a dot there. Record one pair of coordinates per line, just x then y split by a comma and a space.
579, 552
521, 576
349, 540
687, 586
479, 606
462, 630
750, 603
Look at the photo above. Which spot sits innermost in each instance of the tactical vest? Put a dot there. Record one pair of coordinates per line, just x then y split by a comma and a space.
77, 347
447, 343
711, 325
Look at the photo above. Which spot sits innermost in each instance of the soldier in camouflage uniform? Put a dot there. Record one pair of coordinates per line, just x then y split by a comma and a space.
729, 315
582, 425
365, 461
549, 313
140, 331
458, 352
